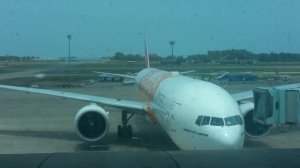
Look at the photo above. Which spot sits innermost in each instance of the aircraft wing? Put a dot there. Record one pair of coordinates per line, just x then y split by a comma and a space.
242, 95
249, 94
114, 74
187, 72
133, 106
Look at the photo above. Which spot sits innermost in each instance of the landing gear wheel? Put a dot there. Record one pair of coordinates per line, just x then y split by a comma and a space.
119, 131
129, 131
125, 131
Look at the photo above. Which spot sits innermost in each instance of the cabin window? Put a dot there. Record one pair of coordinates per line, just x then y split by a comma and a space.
199, 119
205, 120
215, 121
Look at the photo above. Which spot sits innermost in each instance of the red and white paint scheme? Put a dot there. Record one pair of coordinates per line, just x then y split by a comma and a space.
177, 102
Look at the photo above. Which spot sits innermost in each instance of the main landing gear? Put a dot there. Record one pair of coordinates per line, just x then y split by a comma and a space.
124, 130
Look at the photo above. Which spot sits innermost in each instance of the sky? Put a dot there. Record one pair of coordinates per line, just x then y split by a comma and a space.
103, 27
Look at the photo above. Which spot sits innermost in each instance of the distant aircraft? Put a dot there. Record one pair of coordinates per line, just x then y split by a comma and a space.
195, 114
236, 77
109, 78
40, 75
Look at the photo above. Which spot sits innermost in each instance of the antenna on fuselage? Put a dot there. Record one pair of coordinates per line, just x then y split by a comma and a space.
147, 62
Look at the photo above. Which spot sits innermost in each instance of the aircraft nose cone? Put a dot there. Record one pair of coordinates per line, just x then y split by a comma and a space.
231, 139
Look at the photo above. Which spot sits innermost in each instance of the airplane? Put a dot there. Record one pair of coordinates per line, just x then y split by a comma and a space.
197, 115
237, 77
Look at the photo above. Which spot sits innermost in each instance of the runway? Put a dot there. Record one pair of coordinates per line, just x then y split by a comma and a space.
32, 123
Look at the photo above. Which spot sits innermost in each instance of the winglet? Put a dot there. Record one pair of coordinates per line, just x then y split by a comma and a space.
147, 63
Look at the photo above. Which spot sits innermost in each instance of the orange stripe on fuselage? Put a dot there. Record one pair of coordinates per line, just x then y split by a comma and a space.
151, 115
152, 80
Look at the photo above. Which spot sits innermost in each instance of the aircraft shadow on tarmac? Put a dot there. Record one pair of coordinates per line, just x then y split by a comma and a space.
140, 140
59, 135
149, 141
255, 144
153, 142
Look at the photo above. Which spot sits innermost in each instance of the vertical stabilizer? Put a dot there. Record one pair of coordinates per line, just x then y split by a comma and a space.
147, 63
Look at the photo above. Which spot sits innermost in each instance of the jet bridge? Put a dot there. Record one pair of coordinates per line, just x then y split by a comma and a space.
276, 106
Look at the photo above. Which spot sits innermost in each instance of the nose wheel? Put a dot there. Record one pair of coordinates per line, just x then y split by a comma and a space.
125, 130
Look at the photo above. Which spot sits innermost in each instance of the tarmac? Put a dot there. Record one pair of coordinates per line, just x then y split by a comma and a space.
33, 123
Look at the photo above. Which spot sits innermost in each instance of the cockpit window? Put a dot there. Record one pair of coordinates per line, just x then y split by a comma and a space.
234, 120
199, 119
229, 121
217, 121
205, 120
238, 120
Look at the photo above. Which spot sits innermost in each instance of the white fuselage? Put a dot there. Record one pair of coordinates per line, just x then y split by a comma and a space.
181, 103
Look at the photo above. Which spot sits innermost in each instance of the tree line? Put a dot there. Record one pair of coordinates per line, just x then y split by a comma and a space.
17, 58
210, 56
218, 55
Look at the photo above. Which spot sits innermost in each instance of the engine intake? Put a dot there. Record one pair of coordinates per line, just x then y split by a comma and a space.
91, 123
254, 130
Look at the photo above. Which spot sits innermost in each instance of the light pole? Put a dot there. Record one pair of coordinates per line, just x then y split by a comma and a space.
172, 43
69, 37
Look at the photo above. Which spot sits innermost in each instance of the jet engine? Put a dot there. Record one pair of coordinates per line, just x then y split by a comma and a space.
91, 123
254, 130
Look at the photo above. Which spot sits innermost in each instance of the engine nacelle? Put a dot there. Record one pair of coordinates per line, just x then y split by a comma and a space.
254, 130
91, 123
